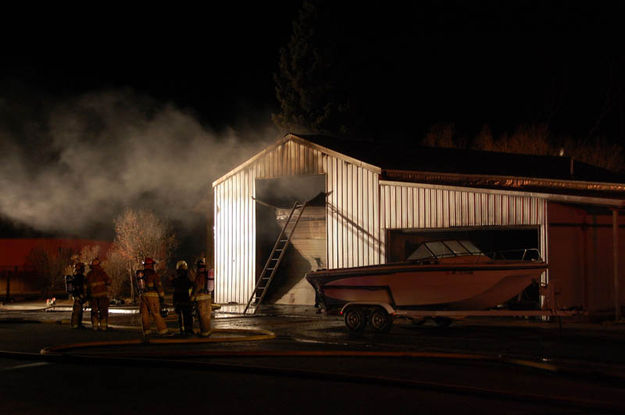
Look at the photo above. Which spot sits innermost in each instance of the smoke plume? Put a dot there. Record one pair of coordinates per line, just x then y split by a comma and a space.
72, 166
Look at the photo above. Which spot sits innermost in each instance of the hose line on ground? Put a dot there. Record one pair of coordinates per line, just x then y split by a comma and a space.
253, 335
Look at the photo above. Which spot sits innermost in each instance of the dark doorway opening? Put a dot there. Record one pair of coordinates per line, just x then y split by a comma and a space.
275, 198
402, 242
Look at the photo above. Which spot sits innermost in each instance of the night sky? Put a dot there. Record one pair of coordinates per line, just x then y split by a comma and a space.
217, 62
503, 64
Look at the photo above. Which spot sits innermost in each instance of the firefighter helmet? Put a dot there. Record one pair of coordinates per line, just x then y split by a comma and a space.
181, 264
95, 261
148, 261
201, 263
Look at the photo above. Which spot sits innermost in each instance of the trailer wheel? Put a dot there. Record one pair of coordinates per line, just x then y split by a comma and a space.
442, 321
380, 320
355, 319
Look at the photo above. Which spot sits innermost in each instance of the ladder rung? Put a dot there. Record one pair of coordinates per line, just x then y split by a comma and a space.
276, 254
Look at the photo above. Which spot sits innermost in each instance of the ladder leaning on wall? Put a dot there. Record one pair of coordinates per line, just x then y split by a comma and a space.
275, 258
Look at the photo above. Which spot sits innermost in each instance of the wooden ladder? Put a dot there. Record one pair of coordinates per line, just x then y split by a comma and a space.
275, 258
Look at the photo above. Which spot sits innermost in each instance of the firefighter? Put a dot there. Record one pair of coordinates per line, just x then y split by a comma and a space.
152, 300
182, 301
98, 283
202, 289
78, 293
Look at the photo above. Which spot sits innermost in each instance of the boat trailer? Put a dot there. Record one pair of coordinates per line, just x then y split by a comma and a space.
380, 316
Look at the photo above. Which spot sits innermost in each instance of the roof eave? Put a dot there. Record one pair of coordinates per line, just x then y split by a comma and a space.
568, 188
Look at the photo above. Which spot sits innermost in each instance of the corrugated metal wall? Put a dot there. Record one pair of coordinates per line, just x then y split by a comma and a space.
354, 236
235, 241
410, 205
353, 232
360, 208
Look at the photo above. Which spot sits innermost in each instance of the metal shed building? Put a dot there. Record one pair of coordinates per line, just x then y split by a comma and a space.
381, 200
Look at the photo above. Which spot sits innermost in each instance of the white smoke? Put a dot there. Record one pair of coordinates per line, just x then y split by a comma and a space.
100, 153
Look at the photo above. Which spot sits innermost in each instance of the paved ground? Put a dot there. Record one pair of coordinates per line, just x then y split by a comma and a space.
476, 365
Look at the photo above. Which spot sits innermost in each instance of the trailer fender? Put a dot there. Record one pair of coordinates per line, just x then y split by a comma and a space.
387, 307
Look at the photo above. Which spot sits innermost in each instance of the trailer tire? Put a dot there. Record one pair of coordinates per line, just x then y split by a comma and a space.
380, 320
355, 320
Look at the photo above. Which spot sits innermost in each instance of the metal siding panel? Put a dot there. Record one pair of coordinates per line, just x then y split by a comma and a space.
335, 200
329, 215
361, 235
366, 215
340, 235
347, 214
333, 225
348, 209
355, 219
439, 209
235, 233
230, 225
339, 220
411, 203
372, 206
226, 213
241, 234
217, 228
377, 220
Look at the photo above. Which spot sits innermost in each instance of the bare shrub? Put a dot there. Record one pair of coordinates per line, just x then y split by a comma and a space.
140, 234
442, 135
88, 253
118, 268
49, 264
596, 151
527, 139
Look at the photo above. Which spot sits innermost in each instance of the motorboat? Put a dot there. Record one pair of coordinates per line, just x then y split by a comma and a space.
438, 275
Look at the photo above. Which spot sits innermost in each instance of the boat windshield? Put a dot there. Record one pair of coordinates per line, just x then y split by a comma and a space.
443, 249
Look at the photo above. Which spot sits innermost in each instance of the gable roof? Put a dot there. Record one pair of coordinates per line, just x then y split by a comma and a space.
407, 157
467, 168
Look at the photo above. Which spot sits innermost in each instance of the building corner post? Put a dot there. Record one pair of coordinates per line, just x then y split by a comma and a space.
615, 228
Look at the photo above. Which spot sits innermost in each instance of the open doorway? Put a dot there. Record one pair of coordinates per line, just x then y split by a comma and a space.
307, 250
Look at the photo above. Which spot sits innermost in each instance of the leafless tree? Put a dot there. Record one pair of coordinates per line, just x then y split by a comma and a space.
118, 268
533, 139
140, 234
49, 264
88, 253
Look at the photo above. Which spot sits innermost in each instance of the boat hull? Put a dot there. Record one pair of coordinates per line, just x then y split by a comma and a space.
442, 286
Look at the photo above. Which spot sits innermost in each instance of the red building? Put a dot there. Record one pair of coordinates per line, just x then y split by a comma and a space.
17, 277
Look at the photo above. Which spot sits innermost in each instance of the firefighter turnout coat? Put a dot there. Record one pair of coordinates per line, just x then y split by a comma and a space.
202, 296
98, 283
150, 302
